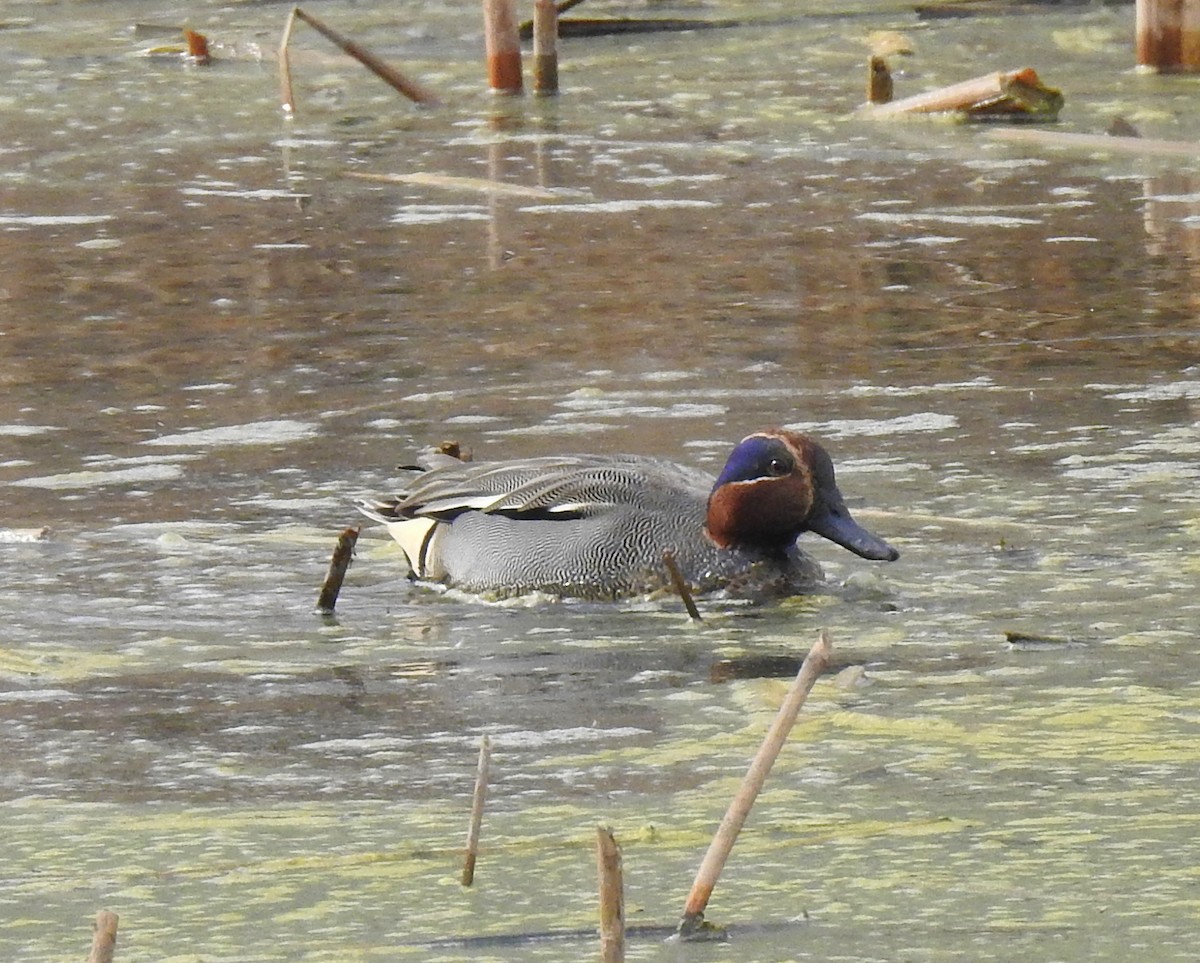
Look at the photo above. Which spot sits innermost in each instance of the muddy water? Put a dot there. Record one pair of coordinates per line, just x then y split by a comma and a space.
213, 336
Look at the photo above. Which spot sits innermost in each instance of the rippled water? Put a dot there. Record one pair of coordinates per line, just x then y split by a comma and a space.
213, 337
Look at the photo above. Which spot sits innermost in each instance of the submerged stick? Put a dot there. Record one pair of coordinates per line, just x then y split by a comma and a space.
692, 925
455, 183
388, 74
545, 48
477, 803
104, 937
502, 43
1097, 142
286, 97
612, 897
681, 586
343, 555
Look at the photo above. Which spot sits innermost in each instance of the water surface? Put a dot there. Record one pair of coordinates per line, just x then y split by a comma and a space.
213, 337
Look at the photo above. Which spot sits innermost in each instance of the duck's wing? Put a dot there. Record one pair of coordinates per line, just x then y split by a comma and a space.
561, 487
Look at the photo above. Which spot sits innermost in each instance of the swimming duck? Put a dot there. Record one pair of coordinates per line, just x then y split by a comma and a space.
596, 526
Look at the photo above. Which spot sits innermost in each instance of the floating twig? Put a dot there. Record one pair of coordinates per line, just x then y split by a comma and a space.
339, 562
24, 534
545, 48
609, 26
1099, 142
477, 803
502, 42
612, 897
1034, 640
526, 29
681, 586
104, 937
692, 926
455, 183
385, 72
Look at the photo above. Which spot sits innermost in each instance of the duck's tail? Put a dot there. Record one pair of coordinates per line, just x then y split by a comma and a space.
414, 535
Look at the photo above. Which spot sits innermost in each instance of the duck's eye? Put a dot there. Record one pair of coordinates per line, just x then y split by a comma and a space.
779, 466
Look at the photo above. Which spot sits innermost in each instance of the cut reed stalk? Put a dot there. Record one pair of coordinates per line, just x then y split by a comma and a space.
502, 43
343, 555
477, 803
681, 586
545, 48
104, 937
612, 897
692, 925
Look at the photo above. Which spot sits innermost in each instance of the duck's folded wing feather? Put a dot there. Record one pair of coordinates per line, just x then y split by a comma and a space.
560, 487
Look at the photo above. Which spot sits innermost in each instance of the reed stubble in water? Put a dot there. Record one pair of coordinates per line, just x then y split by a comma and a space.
612, 896
692, 925
478, 800
104, 937
502, 43
681, 586
545, 48
343, 555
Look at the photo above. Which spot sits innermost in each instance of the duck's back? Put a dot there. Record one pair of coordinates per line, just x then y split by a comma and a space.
584, 525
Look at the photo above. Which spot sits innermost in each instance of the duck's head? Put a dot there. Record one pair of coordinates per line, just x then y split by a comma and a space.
777, 484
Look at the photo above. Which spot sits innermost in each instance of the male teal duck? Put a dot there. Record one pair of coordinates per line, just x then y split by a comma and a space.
596, 526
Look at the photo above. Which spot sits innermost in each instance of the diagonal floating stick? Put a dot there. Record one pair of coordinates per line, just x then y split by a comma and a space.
388, 74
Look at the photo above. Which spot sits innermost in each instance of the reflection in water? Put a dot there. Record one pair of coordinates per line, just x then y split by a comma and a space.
212, 340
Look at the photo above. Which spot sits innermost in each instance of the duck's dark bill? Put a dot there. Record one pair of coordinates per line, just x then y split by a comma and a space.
836, 525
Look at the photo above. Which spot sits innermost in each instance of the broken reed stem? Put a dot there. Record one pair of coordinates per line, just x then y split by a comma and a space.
388, 74
477, 802
1168, 35
612, 897
879, 81
681, 586
343, 555
816, 662
545, 48
197, 48
104, 937
502, 42
286, 97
